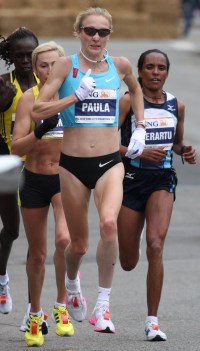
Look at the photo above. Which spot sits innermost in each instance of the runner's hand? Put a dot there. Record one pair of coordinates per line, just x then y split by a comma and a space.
87, 86
7, 92
137, 143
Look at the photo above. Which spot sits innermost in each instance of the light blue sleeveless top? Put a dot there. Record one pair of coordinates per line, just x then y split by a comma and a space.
101, 108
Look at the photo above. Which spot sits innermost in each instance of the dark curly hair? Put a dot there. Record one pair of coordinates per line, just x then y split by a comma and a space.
6, 44
143, 56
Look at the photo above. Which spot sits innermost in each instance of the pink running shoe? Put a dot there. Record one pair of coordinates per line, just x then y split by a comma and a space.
100, 318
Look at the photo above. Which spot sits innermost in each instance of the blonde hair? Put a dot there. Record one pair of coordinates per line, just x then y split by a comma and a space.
45, 47
88, 12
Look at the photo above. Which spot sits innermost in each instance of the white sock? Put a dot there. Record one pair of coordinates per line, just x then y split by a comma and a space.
37, 313
28, 308
151, 319
103, 295
57, 304
73, 285
4, 279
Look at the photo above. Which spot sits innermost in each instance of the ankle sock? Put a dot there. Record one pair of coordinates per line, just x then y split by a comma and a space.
57, 304
73, 285
151, 319
4, 279
103, 295
37, 314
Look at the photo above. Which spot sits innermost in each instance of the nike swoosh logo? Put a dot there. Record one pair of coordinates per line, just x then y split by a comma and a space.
104, 164
108, 80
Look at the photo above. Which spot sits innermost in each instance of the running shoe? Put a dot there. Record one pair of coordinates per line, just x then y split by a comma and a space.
153, 332
63, 325
76, 303
100, 318
24, 324
33, 334
5, 299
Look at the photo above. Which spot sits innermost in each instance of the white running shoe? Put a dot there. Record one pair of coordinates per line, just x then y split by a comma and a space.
10, 173
153, 332
76, 303
24, 324
5, 299
25, 319
100, 318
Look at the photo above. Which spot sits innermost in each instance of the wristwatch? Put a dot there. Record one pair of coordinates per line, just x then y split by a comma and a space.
141, 123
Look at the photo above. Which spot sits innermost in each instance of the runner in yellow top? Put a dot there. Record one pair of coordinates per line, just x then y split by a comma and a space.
16, 49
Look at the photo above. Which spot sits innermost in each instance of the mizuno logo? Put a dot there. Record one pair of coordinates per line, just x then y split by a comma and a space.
171, 108
108, 80
104, 164
130, 175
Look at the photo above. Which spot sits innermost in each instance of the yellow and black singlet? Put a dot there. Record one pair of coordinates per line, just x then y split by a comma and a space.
7, 118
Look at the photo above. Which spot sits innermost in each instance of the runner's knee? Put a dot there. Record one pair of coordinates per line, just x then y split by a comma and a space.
108, 229
7, 236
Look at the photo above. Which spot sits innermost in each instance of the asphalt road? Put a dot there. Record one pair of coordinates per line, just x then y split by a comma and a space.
180, 303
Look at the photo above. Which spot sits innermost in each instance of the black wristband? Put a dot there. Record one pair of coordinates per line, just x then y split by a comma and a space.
38, 132
46, 126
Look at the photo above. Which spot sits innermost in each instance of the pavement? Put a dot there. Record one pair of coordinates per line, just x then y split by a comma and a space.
180, 302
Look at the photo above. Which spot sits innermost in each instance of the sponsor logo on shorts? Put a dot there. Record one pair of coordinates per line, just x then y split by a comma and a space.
130, 175
104, 164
